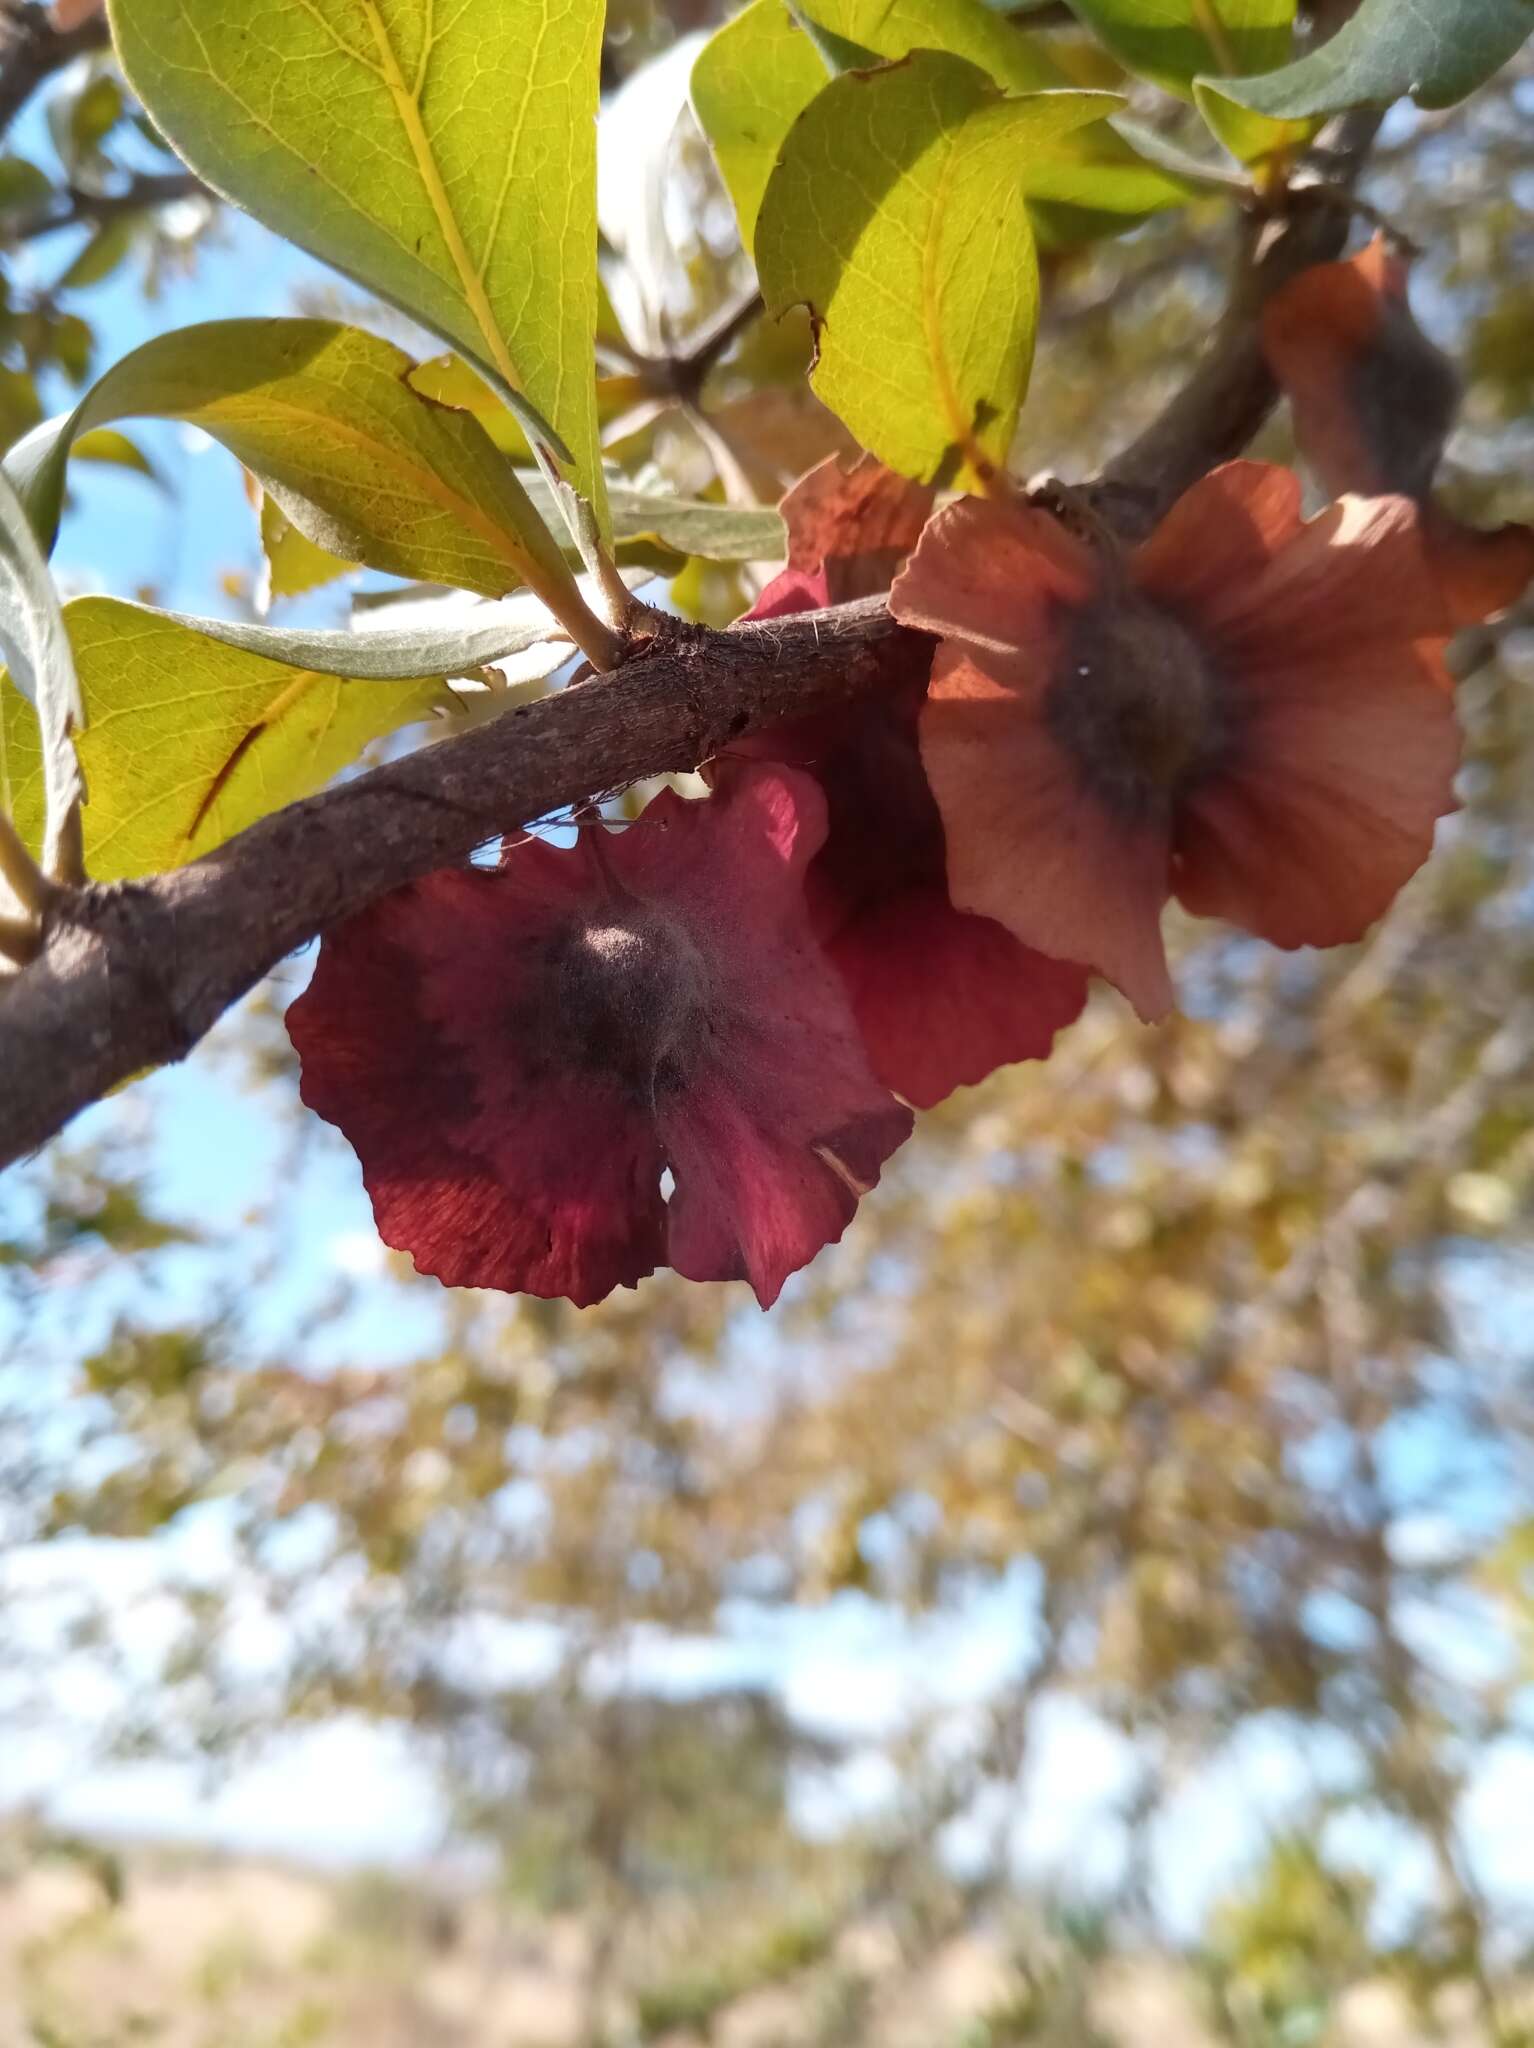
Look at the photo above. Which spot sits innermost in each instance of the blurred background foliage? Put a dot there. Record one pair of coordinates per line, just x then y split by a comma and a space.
1185, 1384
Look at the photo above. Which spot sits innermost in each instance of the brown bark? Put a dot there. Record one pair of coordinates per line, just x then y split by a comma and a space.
132, 974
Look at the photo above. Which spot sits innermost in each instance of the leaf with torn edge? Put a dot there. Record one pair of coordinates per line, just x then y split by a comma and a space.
898, 214
756, 76
1438, 51
191, 739
451, 381
322, 414
444, 157
291, 563
37, 650
759, 72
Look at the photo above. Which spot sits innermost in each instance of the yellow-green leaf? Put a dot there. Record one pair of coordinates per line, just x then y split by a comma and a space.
292, 563
754, 79
322, 414
189, 740
442, 155
107, 445
750, 84
898, 215
1172, 41
449, 380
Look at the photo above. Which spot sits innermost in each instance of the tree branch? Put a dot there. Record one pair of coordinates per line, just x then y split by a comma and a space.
1231, 392
32, 49
132, 974
74, 207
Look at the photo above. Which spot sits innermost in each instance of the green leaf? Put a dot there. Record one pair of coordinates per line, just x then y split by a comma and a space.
37, 649
1436, 50
693, 526
1100, 182
750, 83
687, 526
107, 445
1172, 41
192, 739
381, 654
20, 406
322, 414
754, 79
292, 563
93, 115
445, 157
449, 380
759, 73
897, 215
102, 254
1196, 173
835, 52
72, 343
22, 185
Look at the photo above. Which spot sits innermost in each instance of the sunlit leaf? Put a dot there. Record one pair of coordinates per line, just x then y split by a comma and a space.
897, 215
292, 564
102, 254
1172, 41
759, 73
323, 416
193, 738
107, 445
449, 380
1436, 50
445, 157
749, 85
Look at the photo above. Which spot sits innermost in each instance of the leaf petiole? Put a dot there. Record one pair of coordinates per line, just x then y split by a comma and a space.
27, 882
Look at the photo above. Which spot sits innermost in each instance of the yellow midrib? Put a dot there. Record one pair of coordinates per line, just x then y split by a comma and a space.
932, 312
218, 783
408, 107
959, 421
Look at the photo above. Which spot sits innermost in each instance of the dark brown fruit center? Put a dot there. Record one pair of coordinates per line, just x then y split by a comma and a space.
1137, 705
631, 996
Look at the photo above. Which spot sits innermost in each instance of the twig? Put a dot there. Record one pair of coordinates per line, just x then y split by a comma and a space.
680, 377
1232, 391
132, 974
32, 50
77, 208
